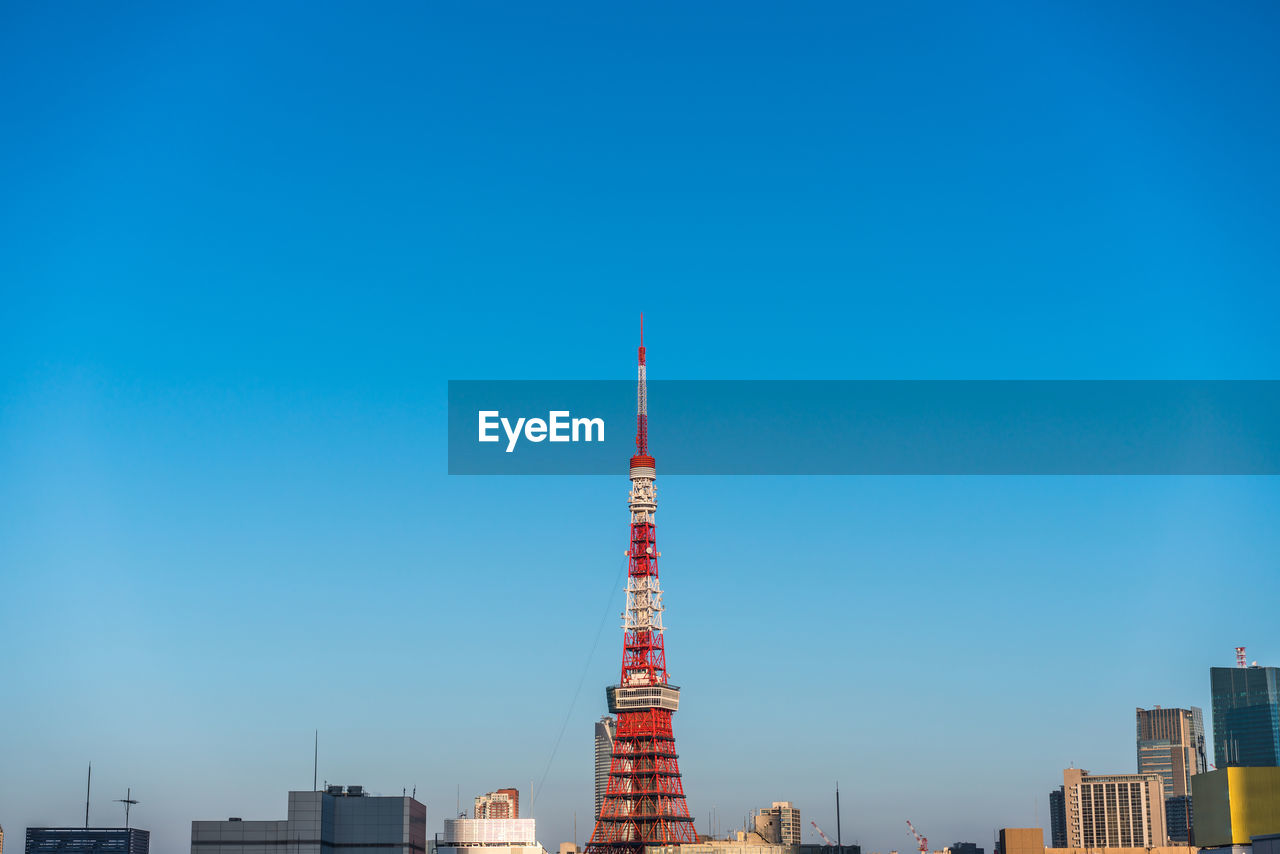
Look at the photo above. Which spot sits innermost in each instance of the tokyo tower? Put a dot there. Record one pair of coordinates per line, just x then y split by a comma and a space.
644, 801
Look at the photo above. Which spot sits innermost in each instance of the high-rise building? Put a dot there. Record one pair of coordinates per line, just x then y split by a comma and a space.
786, 819
1113, 810
1171, 743
320, 822
606, 728
88, 840
1057, 818
1246, 716
644, 801
966, 848
503, 803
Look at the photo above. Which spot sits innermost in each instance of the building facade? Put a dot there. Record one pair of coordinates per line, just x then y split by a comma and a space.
1020, 840
785, 818
606, 729
1171, 743
1114, 810
1232, 805
320, 822
503, 803
1057, 818
87, 840
489, 836
1246, 716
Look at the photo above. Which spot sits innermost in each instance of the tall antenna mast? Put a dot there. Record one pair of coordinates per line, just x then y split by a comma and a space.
1240, 657
128, 801
642, 401
315, 763
88, 783
839, 841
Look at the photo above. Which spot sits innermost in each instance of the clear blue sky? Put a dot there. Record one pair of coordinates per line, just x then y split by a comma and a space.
243, 248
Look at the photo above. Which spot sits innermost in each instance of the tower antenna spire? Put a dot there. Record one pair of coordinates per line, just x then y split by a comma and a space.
642, 401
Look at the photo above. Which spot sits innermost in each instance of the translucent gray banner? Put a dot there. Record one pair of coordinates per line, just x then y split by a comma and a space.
869, 427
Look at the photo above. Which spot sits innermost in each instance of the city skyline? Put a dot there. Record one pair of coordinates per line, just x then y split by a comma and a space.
246, 249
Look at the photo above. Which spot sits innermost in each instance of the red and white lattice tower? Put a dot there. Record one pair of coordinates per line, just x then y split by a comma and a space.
644, 801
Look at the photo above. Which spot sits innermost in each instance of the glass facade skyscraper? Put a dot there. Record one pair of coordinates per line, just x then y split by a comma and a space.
1246, 716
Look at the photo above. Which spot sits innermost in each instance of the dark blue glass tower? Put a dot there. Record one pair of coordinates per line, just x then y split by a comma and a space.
1246, 716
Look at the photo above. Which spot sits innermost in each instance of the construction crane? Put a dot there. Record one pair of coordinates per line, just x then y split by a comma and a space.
921, 842
825, 840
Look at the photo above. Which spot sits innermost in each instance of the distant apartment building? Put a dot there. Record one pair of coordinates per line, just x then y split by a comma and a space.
320, 822
606, 729
785, 818
489, 836
87, 840
965, 848
1246, 716
503, 803
1058, 818
1113, 810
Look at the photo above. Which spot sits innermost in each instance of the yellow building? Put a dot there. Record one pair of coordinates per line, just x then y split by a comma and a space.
1232, 804
1021, 840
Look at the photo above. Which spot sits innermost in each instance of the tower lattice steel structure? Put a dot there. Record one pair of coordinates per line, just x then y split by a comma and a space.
644, 801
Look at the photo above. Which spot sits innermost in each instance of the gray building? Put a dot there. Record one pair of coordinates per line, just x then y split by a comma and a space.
606, 729
336, 820
88, 840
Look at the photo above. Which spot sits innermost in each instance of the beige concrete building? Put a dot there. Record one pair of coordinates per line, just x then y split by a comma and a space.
1021, 840
1159, 849
785, 824
1113, 810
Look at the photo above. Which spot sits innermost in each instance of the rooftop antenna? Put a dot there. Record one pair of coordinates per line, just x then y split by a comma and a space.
87, 784
839, 842
315, 762
1240, 660
128, 801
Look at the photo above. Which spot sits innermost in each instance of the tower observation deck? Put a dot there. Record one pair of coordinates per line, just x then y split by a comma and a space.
644, 802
